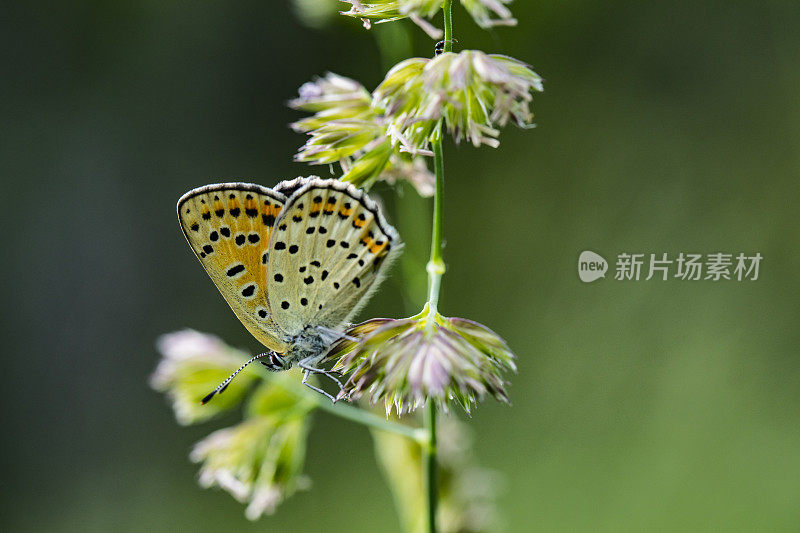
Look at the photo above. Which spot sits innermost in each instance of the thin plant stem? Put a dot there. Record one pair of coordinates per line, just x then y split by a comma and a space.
448, 25
431, 466
436, 269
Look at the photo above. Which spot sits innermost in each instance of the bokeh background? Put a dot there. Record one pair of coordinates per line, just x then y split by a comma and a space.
639, 406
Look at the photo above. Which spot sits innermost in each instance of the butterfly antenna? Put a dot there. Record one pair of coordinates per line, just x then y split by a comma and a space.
224, 385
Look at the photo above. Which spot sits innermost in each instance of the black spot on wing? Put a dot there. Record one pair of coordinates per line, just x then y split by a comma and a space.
235, 270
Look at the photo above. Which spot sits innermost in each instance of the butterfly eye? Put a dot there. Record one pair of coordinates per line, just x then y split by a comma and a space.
276, 362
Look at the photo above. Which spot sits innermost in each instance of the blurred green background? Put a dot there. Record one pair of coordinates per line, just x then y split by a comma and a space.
639, 406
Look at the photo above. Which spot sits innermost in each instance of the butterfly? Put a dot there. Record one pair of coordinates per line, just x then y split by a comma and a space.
294, 262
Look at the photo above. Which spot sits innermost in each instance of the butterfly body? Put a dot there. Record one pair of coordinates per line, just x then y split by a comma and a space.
293, 262
309, 345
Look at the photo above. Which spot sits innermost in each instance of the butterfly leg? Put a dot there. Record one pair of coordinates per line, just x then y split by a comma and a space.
337, 334
308, 368
306, 374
